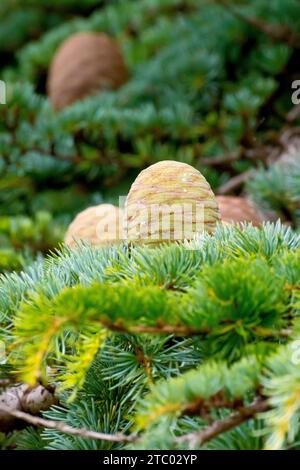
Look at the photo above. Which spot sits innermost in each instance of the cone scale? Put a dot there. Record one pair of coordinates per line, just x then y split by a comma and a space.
169, 201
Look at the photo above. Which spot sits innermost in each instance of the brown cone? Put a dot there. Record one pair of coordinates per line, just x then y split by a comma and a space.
26, 399
169, 201
83, 65
236, 210
99, 226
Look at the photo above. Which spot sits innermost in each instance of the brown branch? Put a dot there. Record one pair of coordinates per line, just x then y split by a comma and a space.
169, 329
268, 333
266, 154
145, 361
182, 330
243, 414
293, 114
260, 153
5, 382
65, 428
287, 136
219, 161
202, 407
276, 32
234, 182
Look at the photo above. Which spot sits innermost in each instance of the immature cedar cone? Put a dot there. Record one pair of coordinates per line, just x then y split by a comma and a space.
23, 398
98, 226
83, 65
235, 210
169, 201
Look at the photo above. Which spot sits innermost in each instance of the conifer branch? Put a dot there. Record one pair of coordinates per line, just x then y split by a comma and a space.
179, 330
234, 182
243, 414
65, 428
275, 32
182, 330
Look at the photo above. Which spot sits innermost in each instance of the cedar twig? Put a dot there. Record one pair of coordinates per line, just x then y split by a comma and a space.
259, 153
276, 32
234, 182
223, 160
293, 114
243, 414
5, 382
188, 331
182, 330
218, 427
169, 329
65, 428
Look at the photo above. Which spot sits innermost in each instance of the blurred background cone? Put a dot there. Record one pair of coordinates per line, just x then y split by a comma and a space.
235, 210
99, 226
83, 65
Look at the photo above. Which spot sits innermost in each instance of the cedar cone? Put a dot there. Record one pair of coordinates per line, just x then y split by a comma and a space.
235, 210
99, 226
83, 65
169, 201
26, 399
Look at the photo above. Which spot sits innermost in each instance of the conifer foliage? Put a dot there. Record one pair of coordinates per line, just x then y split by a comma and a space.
193, 344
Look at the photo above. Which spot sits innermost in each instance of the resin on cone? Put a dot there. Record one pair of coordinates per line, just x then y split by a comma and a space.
83, 65
236, 210
169, 201
97, 226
